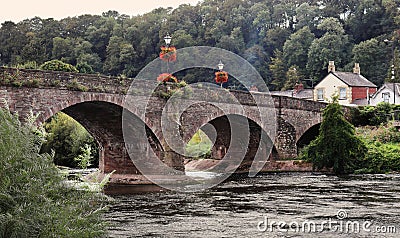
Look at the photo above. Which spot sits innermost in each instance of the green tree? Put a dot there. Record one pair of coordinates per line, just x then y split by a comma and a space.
333, 45
370, 19
85, 157
63, 49
84, 68
182, 39
292, 78
67, 138
306, 15
336, 146
278, 70
373, 57
295, 49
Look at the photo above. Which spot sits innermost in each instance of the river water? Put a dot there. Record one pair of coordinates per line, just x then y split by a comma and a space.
269, 205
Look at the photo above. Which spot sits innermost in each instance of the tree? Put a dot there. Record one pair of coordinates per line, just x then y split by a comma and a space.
63, 49
292, 78
333, 45
370, 19
182, 39
373, 57
336, 146
67, 138
306, 15
278, 70
295, 49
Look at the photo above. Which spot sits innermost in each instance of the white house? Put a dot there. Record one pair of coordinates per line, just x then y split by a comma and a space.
351, 87
389, 92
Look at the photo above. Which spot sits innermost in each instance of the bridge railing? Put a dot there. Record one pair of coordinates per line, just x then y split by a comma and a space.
118, 85
64, 80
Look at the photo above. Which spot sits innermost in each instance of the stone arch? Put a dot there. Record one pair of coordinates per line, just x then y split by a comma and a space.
310, 134
101, 115
191, 120
260, 145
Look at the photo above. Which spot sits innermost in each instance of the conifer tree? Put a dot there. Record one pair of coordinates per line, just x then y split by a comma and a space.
336, 146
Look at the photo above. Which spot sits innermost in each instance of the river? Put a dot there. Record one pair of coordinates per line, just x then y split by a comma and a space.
269, 205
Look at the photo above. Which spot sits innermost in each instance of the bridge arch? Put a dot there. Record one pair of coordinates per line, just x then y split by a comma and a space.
102, 118
309, 135
219, 130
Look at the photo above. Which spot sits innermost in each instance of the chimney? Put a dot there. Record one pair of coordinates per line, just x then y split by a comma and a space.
331, 67
298, 87
356, 68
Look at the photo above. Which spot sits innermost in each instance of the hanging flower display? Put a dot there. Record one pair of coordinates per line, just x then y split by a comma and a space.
221, 77
168, 53
165, 77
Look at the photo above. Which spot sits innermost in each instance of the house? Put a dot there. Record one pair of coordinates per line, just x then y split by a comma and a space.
298, 92
385, 94
351, 87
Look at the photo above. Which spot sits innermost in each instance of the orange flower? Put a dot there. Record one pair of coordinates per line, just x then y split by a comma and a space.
168, 53
221, 77
165, 77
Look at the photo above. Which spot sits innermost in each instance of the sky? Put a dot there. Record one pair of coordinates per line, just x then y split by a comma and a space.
15, 10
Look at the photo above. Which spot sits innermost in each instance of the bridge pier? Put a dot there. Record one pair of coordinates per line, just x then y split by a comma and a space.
285, 141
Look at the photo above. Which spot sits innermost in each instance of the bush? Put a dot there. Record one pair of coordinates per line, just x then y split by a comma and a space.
57, 65
336, 147
35, 201
371, 115
28, 65
381, 158
84, 68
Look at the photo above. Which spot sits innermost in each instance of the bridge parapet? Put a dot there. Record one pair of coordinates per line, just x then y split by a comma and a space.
63, 80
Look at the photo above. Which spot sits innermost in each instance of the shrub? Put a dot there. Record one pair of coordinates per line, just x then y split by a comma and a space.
34, 199
371, 115
381, 158
84, 68
75, 85
336, 147
57, 65
28, 65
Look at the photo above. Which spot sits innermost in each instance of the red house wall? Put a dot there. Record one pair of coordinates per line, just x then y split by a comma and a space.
361, 92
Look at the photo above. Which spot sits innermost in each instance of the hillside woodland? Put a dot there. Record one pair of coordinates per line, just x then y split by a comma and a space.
285, 40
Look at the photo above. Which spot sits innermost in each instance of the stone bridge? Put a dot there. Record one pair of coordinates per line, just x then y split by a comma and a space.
97, 102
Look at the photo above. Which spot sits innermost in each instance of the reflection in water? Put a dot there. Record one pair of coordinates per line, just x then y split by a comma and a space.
235, 208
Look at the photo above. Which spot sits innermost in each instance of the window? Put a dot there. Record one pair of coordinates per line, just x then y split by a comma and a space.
386, 97
320, 94
342, 93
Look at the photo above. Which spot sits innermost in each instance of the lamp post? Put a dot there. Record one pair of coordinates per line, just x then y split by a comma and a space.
167, 40
392, 70
220, 67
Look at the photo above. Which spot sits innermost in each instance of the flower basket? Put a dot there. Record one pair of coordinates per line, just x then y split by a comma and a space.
168, 53
221, 77
165, 77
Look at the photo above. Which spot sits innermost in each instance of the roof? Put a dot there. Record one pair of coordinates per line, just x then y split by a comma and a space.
389, 86
354, 80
